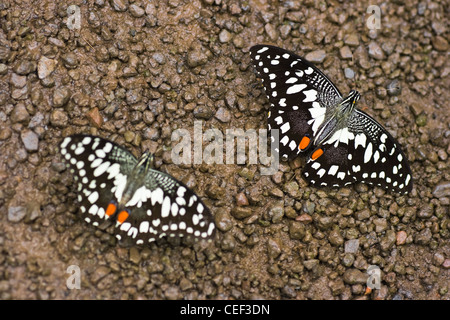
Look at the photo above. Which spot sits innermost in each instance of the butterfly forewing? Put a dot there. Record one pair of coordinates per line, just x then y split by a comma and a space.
158, 205
91, 160
302, 101
298, 93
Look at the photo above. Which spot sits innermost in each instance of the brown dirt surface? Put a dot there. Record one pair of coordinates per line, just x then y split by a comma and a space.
136, 71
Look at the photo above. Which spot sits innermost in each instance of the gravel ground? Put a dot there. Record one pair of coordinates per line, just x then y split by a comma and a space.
137, 70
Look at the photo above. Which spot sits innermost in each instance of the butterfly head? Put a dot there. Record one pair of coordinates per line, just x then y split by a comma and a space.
354, 96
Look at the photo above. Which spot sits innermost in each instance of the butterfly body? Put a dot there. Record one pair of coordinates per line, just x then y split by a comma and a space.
344, 145
143, 203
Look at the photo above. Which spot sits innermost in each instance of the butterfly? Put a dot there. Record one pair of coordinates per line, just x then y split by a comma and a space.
144, 204
344, 145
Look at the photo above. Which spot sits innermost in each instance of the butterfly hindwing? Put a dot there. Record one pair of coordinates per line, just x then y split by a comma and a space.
157, 204
365, 152
171, 209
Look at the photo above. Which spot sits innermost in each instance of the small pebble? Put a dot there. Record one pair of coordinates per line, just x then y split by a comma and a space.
442, 190
70, 60
316, 56
351, 246
349, 73
61, 96
136, 11
15, 214
119, 5
304, 218
446, 264
20, 114
24, 67
223, 115
225, 36
354, 276
375, 51
30, 140
401, 237
345, 52
241, 199
46, 66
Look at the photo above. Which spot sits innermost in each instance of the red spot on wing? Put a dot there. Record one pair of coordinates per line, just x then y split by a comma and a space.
316, 154
111, 209
304, 143
123, 215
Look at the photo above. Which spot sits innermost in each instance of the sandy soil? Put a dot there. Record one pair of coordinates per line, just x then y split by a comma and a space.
137, 70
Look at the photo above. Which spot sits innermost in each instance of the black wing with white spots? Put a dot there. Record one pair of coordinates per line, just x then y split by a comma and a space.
144, 204
344, 145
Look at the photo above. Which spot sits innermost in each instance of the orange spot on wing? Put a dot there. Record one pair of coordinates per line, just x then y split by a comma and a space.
123, 215
316, 154
304, 143
111, 209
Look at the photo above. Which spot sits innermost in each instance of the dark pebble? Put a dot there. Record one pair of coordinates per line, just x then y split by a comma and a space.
355, 276
241, 212
423, 237
289, 292
24, 67
20, 114
223, 220
296, 230
203, 112
426, 211
387, 242
61, 96
394, 88
273, 248
119, 5
70, 60
33, 211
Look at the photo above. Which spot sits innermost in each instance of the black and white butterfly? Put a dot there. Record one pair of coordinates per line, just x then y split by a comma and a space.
344, 144
143, 203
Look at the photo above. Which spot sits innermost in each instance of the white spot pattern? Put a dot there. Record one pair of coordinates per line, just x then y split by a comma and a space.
103, 170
